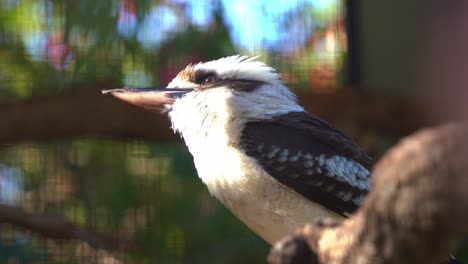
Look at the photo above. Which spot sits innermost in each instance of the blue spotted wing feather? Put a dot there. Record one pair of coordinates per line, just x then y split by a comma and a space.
311, 157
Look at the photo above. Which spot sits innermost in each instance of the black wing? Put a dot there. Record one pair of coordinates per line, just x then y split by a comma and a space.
311, 157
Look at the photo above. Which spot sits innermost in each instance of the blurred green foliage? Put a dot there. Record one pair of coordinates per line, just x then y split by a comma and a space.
148, 192
145, 191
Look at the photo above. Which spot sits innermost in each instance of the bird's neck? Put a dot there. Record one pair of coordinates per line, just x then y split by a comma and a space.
198, 125
208, 136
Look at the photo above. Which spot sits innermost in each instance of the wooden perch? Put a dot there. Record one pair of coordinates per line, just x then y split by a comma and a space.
55, 228
416, 212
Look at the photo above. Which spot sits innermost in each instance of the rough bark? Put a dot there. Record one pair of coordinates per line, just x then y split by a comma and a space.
415, 213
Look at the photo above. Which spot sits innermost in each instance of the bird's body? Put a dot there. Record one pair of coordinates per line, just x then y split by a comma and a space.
267, 207
272, 164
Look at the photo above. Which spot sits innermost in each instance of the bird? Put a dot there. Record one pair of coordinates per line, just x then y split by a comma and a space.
259, 152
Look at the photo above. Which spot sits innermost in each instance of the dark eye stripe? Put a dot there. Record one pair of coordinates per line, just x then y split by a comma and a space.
203, 77
209, 79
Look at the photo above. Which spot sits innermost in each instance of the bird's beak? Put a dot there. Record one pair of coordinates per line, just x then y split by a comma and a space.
152, 99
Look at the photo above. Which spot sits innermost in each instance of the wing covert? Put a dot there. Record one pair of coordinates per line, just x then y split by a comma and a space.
311, 157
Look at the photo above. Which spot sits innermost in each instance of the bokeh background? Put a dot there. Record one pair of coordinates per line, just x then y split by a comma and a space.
378, 71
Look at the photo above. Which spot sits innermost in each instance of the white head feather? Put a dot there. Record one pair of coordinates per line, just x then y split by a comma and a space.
220, 110
241, 67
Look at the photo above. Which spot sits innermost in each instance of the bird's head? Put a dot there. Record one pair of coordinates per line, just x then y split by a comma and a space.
230, 88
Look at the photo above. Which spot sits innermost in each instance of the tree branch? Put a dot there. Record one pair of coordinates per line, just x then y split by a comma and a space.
83, 111
415, 213
56, 228
79, 112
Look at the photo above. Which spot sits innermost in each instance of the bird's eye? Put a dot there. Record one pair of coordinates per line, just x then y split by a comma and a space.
210, 79
207, 78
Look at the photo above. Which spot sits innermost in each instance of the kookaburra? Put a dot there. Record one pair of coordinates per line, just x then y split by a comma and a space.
274, 165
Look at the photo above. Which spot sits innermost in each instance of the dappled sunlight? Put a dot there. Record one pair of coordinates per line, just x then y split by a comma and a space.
142, 194
70, 43
86, 178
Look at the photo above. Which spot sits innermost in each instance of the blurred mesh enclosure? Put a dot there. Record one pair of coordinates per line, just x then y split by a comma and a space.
46, 45
144, 193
